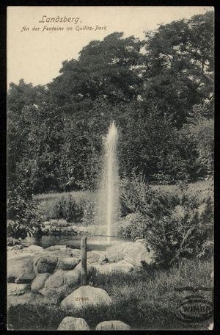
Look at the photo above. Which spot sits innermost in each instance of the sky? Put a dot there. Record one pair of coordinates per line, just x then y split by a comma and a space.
35, 53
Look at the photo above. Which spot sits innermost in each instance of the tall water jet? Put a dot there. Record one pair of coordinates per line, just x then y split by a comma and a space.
108, 204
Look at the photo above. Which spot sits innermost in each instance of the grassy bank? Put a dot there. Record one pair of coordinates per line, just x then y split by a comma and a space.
77, 195
75, 206
143, 300
203, 186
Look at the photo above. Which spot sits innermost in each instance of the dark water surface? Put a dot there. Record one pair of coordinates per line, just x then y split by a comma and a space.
93, 242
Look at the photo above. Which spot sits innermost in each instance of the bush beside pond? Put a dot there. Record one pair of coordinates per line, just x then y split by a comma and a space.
175, 224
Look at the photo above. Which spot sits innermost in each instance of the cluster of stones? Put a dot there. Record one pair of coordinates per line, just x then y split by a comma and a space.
52, 275
71, 323
57, 227
62, 227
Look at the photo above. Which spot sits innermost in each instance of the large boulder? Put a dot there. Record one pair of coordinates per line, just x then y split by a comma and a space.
76, 253
112, 325
117, 252
71, 323
72, 277
118, 267
39, 281
60, 284
34, 248
86, 296
90, 268
63, 251
55, 280
17, 289
19, 250
56, 247
68, 263
46, 263
135, 253
139, 259
59, 293
93, 257
20, 269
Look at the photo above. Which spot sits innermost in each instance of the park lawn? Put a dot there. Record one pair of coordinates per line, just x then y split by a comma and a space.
46, 201
146, 300
201, 188
205, 186
77, 195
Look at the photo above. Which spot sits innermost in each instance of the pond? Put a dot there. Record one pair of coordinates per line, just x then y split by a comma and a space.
72, 241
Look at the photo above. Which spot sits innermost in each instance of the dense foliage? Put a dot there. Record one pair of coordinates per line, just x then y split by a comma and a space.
159, 91
66, 208
174, 224
24, 217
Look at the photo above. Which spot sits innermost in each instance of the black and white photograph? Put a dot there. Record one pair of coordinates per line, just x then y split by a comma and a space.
110, 168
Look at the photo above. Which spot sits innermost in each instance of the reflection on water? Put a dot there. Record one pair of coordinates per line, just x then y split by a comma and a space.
93, 242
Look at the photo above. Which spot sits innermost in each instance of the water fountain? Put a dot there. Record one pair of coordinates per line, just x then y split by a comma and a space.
107, 209
108, 203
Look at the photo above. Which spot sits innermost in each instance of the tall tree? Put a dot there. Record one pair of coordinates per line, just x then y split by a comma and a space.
179, 66
104, 69
55, 131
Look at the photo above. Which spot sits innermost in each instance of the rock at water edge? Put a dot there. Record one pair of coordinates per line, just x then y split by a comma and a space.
93, 257
34, 248
119, 267
46, 264
17, 289
72, 277
135, 253
39, 281
68, 263
20, 268
55, 280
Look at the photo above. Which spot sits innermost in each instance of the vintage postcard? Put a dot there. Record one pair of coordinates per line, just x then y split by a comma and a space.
110, 116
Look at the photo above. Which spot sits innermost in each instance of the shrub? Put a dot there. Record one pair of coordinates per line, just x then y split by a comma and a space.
23, 214
134, 194
73, 209
133, 226
174, 239
200, 131
172, 224
207, 214
138, 197
66, 207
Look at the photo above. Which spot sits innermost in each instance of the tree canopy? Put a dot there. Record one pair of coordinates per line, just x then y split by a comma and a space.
159, 91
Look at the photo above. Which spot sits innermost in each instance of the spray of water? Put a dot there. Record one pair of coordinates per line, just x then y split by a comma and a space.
108, 204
